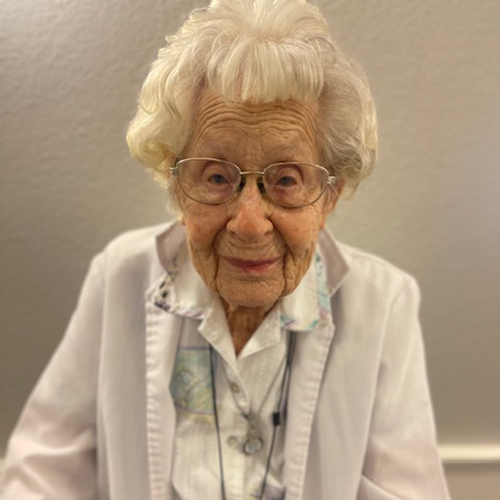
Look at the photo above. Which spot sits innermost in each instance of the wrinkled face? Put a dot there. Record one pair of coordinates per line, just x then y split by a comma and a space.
250, 250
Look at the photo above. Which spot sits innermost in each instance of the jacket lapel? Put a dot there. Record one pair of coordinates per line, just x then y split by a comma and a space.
162, 336
311, 352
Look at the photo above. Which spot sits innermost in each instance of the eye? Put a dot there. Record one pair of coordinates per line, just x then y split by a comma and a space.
286, 181
284, 176
218, 175
217, 179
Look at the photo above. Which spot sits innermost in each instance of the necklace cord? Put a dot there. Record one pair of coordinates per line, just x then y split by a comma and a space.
276, 416
277, 413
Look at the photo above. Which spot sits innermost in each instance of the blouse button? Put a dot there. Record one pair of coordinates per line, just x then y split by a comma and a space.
233, 441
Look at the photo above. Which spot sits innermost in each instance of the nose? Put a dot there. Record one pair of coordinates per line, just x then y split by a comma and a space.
249, 214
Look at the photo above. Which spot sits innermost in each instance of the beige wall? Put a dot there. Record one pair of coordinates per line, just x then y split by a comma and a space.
70, 72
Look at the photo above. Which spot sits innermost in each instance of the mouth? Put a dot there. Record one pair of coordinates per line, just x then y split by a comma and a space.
252, 266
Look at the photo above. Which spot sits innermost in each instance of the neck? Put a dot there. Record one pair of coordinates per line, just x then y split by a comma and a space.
243, 322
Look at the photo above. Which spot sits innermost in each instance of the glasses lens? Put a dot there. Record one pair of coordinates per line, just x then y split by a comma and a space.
295, 184
208, 180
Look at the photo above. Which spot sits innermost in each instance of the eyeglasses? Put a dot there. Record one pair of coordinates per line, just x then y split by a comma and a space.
289, 184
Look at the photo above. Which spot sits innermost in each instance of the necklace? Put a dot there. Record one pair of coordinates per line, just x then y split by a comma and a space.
253, 442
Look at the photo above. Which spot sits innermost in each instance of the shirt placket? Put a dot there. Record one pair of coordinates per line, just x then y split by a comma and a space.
233, 404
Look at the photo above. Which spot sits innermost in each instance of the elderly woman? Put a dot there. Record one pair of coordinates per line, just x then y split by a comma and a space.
240, 352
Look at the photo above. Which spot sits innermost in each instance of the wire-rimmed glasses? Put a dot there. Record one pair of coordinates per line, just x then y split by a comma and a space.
213, 181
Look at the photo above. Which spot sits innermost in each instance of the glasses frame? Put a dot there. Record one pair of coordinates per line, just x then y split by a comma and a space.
330, 180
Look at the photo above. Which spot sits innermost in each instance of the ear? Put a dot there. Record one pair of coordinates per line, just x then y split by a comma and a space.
179, 203
175, 197
330, 201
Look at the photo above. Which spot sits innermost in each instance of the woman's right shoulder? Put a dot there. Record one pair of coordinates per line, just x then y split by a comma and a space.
135, 252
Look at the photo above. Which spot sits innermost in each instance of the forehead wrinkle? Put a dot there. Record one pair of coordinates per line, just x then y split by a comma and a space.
271, 121
272, 144
289, 138
220, 115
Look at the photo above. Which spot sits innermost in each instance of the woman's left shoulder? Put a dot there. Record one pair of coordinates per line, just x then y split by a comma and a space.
368, 264
368, 272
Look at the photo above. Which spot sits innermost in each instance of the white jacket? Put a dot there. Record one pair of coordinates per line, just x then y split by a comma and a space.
100, 422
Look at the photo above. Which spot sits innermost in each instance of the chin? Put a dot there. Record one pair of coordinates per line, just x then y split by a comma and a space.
249, 298
250, 302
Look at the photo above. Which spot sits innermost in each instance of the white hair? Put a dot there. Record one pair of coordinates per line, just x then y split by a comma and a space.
256, 51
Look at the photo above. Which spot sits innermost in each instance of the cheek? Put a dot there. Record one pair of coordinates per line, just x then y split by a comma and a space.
203, 223
299, 231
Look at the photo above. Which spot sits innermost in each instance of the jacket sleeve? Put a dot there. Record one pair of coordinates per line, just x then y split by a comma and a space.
52, 452
402, 460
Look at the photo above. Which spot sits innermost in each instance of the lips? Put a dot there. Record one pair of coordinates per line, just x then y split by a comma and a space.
251, 265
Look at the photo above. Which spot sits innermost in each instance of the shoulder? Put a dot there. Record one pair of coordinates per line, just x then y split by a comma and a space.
368, 277
136, 241
134, 252
374, 300
365, 265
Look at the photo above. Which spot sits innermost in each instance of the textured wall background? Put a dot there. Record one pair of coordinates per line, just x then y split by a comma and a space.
70, 73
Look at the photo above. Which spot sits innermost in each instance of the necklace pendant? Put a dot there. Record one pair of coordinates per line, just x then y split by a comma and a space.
252, 445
